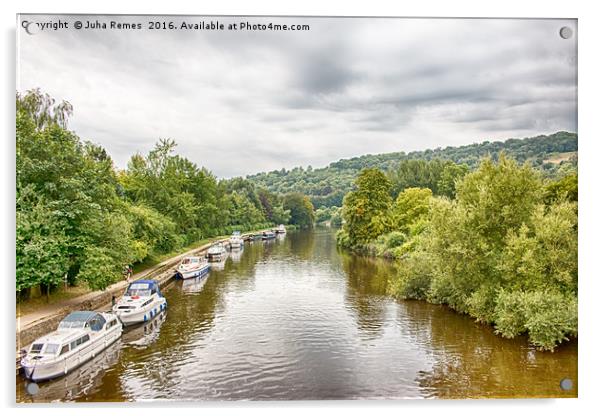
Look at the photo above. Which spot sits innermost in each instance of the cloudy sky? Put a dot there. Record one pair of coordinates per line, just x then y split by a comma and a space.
239, 102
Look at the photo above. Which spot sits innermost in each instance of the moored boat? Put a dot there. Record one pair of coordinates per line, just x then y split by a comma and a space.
281, 229
268, 235
140, 303
79, 337
236, 240
192, 267
216, 252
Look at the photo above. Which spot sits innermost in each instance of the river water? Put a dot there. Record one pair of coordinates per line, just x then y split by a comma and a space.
297, 319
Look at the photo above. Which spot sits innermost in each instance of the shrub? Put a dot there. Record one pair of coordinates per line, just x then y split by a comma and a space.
549, 317
414, 279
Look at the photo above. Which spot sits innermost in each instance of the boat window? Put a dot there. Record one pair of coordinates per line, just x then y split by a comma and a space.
138, 289
51, 348
80, 341
36, 348
112, 324
97, 323
65, 349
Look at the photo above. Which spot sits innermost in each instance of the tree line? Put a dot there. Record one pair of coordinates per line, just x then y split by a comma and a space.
498, 243
80, 220
327, 186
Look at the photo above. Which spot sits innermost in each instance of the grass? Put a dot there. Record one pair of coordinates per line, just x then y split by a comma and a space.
60, 294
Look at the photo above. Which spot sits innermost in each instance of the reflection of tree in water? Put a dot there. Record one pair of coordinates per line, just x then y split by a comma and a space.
470, 360
366, 291
299, 243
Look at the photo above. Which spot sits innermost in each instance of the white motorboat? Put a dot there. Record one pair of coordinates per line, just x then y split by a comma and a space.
216, 252
80, 337
281, 229
236, 240
141, 302
192, 267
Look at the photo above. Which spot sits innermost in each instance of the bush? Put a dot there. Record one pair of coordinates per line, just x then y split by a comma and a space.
549, 317
414, 279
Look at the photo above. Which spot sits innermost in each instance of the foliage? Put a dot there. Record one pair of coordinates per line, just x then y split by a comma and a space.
502, 251
366, 209
410, 206
426, 169
301, 210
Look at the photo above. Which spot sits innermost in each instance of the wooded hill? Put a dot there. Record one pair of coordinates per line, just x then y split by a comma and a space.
327, 186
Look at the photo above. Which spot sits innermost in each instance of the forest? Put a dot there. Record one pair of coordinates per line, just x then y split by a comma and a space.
327, 186
79, 220
498, 243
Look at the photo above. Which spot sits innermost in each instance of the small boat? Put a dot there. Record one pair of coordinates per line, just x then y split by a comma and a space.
236, 240
79, 337
140, 303
281, 229
216, 252
268, 235
192, 267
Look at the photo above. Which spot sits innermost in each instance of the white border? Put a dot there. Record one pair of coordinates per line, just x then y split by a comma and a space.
589, 154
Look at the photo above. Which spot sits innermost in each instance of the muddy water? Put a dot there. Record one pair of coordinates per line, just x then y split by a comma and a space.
297, 319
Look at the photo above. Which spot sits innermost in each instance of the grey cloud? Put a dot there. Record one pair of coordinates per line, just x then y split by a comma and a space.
241, 102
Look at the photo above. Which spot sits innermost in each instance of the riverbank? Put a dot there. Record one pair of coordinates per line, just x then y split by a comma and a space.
34, 324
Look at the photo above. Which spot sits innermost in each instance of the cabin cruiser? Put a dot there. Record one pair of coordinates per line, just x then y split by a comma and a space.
268, 235
192, 267
281, 229
79, 337
236, 240
216, 252
140, 303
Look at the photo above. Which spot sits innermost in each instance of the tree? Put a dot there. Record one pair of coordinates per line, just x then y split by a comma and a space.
300, 208
410, 206
366, 209
450, 175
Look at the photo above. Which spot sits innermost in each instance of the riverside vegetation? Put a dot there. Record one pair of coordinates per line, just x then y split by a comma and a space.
498, 243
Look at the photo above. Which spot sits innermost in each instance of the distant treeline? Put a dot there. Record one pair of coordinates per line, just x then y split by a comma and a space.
81, 220
327, 186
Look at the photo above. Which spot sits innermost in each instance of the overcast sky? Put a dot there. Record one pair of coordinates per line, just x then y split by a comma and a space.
240, 102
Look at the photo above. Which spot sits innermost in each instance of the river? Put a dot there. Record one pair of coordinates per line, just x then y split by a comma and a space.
298, 319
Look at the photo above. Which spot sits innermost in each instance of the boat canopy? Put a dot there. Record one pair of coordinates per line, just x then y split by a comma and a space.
236, 233
81, 319
143, 288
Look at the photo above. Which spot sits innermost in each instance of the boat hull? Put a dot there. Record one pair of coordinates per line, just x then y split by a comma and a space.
144, 314
192, 274
62, 366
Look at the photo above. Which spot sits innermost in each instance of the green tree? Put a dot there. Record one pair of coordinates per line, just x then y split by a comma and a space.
300, 208
366, 209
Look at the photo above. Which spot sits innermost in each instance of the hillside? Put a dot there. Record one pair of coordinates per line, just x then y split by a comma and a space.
327, 186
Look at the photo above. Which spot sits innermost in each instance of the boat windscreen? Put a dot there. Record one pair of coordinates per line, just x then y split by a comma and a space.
139, 289
51, 348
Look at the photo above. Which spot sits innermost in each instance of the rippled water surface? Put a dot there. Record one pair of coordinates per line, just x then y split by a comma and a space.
296, 319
